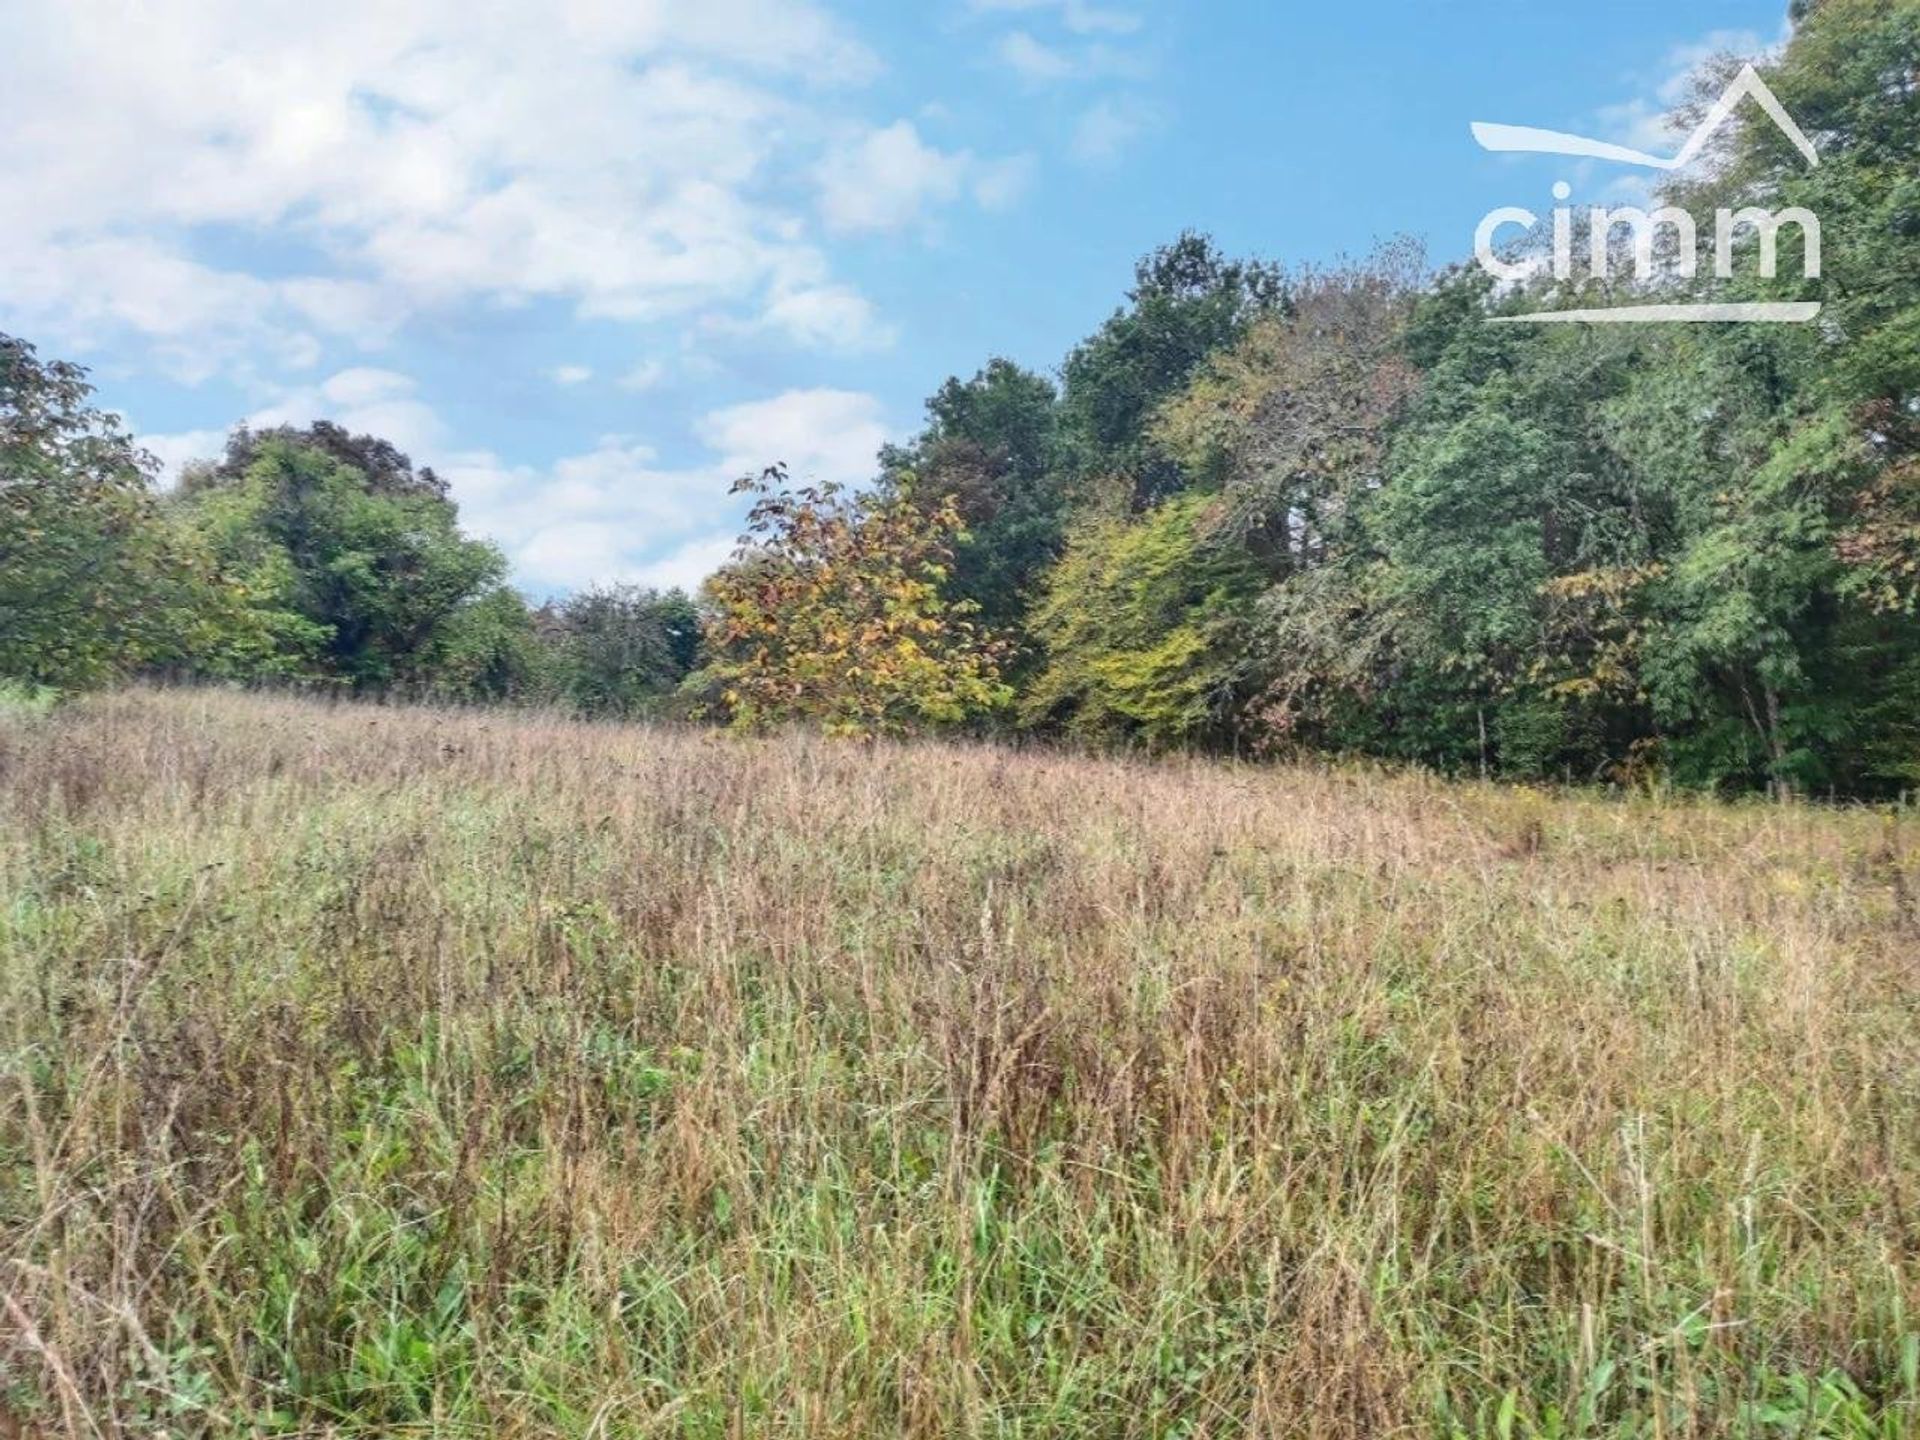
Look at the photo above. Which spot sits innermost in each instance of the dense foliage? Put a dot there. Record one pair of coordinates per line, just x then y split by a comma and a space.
352, 560
91, 581
1260, 508
834, 613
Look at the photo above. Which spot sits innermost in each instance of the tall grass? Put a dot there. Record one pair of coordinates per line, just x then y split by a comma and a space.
372, 1072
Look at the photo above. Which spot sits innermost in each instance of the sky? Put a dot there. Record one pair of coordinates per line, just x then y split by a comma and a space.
593, 259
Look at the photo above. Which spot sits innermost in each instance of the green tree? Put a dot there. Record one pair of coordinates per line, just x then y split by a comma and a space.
1499, 504
93, 584
352, 559
991, 446
622, 649
1144, 628
1291, 424
488, 650
1744, 615
1187, 301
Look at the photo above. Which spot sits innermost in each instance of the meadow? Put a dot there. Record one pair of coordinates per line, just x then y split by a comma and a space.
380, 1071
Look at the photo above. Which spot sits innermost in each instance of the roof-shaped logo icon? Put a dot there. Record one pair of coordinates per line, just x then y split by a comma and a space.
1527, 139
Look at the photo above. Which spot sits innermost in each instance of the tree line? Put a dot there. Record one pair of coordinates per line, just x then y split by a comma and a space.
303, 556
1260, 508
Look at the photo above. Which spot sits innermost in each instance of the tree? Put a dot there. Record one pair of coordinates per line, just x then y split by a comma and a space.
622, 649
358, 573
834, 612
1495, 490
1291, 425
92, 584
488, 650
1144, 628
991, 446
1188, 300
1744, 616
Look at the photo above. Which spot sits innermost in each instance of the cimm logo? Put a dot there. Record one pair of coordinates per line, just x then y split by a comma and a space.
1682, 258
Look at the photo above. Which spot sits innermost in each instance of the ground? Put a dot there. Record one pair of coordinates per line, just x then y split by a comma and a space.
375, 1071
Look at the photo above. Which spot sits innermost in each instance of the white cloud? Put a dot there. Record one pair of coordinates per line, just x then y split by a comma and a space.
599, 516
1039, 63
570, 374
820, 435
691, 563
1080, 16
1107, 127
176, 451
1095, 45
1026, 56
366, 401
365, 386
198, 320
363, 400
886, 178
829, 317
644, 376
622, 157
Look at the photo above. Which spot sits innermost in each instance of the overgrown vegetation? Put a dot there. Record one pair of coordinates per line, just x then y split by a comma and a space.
381, 1071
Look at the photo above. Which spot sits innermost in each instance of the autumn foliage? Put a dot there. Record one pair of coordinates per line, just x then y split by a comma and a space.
833, 612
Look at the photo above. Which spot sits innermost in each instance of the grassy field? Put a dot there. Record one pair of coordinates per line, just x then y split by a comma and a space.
379, 1072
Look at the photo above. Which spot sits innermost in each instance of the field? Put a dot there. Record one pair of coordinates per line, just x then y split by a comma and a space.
377, 1071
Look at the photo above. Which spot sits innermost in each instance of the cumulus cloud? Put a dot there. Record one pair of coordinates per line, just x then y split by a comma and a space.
364, 400
828, 317
690, 563
820, 435
616, 513
365, 385
888, 178
612, 512
623, 158
176, 451
570, 374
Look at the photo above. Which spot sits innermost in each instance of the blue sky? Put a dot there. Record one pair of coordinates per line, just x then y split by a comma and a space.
592, 258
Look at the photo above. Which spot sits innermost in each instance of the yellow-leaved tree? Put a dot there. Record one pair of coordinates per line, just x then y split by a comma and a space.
833, 611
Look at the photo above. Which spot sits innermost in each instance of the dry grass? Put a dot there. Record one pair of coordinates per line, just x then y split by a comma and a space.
369, 1071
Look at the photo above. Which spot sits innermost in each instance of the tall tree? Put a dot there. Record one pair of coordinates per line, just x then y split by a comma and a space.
92, 583
1187, 301
991, 446
354, 559
622, 649
1144, 629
